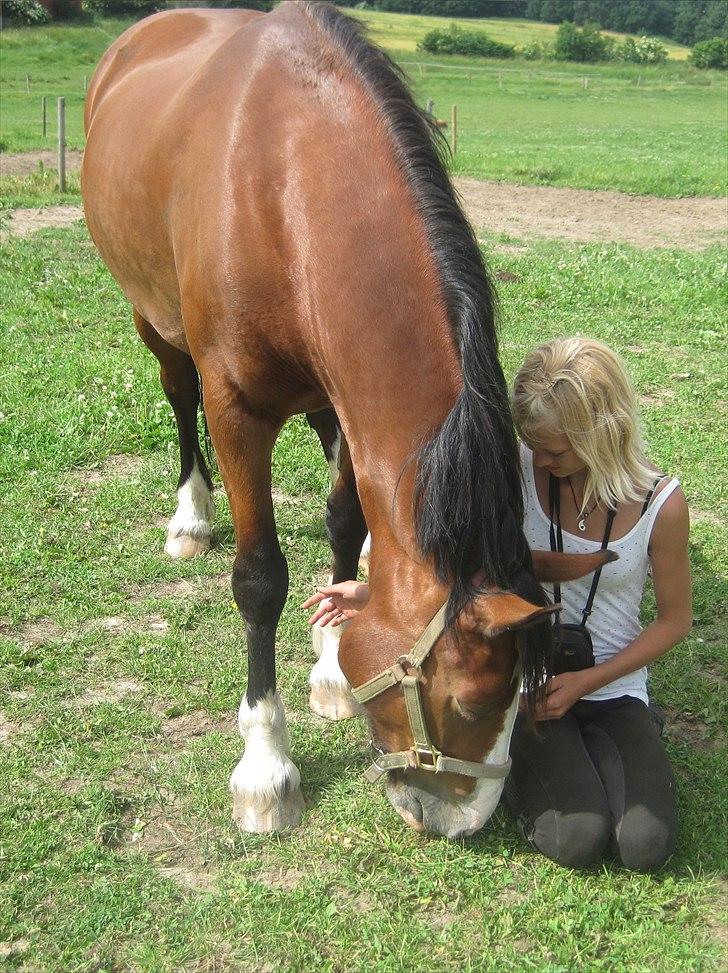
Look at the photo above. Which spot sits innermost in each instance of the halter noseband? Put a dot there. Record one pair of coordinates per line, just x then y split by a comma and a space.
422, 755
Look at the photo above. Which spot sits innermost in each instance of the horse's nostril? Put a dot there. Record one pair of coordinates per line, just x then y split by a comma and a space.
413, 820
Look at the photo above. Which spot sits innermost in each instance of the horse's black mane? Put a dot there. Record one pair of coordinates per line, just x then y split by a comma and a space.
468, 498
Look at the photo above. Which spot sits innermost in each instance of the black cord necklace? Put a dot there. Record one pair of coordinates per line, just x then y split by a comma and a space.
581, 520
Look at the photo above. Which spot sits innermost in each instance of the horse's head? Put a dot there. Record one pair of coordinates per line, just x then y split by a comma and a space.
442, 714
443, 708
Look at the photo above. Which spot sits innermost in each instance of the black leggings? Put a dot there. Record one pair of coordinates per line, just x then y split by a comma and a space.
598, 774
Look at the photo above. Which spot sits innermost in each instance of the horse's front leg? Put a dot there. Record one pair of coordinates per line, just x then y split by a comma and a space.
266, 785
331, 695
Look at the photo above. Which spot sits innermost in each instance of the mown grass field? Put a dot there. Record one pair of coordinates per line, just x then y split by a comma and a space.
647, 130
121, 671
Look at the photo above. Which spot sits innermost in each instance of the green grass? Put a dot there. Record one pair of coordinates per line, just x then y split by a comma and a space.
114, 736
530, 126
657, 130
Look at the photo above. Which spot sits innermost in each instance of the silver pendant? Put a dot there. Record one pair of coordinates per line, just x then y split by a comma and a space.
581, 525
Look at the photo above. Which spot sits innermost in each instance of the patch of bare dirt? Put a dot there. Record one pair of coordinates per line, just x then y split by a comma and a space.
119, 625
179, 729
8, 729
26, 163
31, 634
525, 212
506, 277
14, 949
285, 879
110, 692
23, 222
691, 731
589, 216
121, 466
182, 588
172, 846
439, 917
707, 515
659, 397
281, 498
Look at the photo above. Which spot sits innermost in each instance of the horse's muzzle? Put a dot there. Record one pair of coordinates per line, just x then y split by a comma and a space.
449, 816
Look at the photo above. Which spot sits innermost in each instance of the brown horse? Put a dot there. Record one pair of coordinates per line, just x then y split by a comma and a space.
275, 208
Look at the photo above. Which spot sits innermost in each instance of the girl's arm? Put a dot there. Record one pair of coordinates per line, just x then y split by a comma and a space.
668, 552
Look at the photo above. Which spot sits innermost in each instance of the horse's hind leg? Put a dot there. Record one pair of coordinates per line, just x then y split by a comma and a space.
188, 532
331, 695
265, 784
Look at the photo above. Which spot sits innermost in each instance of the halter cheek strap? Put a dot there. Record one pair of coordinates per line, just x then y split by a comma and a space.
422, 755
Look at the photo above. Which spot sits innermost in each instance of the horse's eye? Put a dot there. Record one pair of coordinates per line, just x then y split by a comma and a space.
474, 711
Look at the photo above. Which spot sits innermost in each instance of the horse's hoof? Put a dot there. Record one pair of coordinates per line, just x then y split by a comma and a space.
250, 815
333, 702
186, 546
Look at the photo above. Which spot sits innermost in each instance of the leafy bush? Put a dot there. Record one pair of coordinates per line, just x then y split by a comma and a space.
585, 44
24, 13
122, 8
537, 51
645, 50
710, 54
455, 40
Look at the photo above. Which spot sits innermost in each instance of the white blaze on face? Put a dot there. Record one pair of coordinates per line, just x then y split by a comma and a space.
456, 818
486, 793
194, 508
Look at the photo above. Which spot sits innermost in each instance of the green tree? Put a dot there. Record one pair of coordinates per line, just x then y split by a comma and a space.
710, 54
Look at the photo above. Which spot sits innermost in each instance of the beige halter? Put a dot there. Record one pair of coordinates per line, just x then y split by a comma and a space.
422, 755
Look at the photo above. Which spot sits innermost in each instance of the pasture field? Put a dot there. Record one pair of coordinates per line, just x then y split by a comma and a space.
646, 130
403, 32
121, 671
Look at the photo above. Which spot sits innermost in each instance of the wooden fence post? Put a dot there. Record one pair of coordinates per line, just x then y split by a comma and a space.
27, 83
62, 145
454, 129
45, 116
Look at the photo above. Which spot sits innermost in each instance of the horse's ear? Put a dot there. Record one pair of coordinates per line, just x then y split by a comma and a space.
555, 566
496, 612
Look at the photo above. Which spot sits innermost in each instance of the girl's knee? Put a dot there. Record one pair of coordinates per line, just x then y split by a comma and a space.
645, 842
573, 840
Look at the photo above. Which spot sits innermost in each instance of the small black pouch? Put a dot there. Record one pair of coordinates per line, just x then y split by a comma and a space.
572, 644
573, 649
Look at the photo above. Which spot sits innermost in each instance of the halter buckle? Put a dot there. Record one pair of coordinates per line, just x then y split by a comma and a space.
423, 758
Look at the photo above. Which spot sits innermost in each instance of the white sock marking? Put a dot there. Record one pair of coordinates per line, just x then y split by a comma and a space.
194, 507
327, 672
265, 772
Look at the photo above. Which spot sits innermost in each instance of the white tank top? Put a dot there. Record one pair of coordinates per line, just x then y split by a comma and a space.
614, 621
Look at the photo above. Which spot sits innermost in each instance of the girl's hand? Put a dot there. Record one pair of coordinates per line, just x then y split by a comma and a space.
562, 692
337, 602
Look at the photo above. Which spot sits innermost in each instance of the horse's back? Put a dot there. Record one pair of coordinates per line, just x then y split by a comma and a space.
175, 41
157, 127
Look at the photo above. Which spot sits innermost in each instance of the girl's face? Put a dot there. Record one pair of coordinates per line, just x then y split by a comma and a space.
553, 453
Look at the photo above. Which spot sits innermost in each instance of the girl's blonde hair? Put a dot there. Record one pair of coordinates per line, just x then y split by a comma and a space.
579, 388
